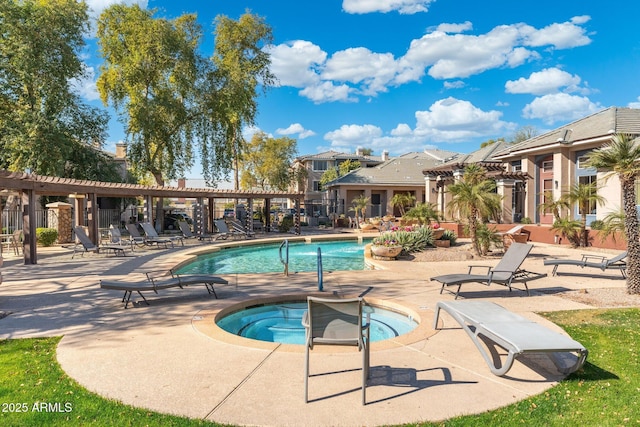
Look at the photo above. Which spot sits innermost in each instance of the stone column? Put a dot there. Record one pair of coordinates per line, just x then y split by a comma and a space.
59, 217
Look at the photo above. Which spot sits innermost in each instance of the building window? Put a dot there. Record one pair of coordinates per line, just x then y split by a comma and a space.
547, 165
516, 166
320, 165
317, 186
547, 195
580, 162
589, 180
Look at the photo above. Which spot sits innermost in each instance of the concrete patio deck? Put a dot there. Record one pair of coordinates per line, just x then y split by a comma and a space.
169, 357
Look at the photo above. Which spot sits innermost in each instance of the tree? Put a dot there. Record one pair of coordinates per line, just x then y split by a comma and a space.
240, 66
149, 73
555, 206
266, 163
46, 128
524, 133
473, 197
585, 196
621, 157
423, 212
360, 204
334, 173
402, 201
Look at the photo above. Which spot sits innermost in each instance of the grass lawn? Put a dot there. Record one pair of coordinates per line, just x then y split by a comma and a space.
34, 391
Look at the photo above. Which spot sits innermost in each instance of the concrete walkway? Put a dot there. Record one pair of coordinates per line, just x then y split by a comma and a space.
170, 357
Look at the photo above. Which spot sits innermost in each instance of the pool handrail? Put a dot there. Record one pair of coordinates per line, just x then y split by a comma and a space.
284, 261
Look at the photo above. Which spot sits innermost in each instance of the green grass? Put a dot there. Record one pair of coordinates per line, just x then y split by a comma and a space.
606, 392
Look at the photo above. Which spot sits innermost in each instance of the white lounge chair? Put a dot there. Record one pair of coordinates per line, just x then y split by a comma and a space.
336, 322
489, 325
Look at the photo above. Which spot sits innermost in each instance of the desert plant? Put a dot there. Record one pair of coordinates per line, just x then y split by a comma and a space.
286, 224
526, 220
586, 197
360, 204
411, 241
487, 236
597, 224
613, 225
402, 201
449, 235
46, 236
423, 212
569, 229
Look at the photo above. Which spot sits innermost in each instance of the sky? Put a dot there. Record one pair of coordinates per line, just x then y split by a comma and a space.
410, 75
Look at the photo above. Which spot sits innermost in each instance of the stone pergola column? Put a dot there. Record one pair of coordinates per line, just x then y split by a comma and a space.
504, 188
59, 217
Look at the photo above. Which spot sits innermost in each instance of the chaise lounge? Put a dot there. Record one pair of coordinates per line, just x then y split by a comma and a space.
86, 245
505, 273
592, 261
489, 325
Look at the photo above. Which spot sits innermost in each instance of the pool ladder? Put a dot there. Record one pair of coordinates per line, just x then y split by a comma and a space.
284, 260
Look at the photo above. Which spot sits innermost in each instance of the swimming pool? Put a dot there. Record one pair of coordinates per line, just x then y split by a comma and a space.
336, 256
282, 322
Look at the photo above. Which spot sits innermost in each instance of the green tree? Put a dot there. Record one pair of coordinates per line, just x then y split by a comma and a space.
524, 133
240, 66
555, 206
622, 158
585, 196
266, 163
360, 204
423, 212
149, 73
613, 224
403, 201
334, 173
473, 197
46, 128
569, 229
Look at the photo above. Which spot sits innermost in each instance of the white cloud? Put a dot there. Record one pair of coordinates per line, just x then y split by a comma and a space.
559, 107
296, 128
635, 104
455, 28
407, 7
547, 81
457, 84
86, 86
447, 120
442, 54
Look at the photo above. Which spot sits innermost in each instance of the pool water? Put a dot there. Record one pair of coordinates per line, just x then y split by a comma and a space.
282, 323
303, 257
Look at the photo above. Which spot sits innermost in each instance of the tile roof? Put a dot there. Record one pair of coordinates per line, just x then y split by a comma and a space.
599, 125
336, 155
403, 170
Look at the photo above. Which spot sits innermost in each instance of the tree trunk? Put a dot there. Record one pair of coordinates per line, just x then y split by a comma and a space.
631, 228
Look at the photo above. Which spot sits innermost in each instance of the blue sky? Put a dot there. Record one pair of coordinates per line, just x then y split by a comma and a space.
405, 75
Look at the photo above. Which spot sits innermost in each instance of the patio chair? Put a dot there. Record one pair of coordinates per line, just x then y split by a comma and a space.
507, 270
241, 230
16, 242
151, 233
223, 230
493, 328
188, 234
593, 261
86, 245
141, 240
118, 239
336, 322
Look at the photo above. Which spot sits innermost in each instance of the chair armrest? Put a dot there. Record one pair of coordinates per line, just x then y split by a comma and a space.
587, 257
471, 267
305, 319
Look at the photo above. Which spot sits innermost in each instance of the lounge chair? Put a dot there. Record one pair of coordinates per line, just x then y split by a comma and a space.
594, 261
241, 230
336, 322
507, 270
85, 244
188, 234
141, 240
224, 232
151, 233
490, 325
118, 239
158, 281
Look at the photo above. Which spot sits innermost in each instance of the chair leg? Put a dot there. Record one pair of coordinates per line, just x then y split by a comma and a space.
306, 375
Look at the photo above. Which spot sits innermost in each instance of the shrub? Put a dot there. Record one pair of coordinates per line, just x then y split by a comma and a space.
286, 224
46, 236
411, 241
526, 220
449, 235
597, 224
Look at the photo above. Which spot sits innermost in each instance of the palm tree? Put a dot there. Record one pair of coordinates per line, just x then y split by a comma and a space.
613, 224
622, 158
423, 212
473, 197
585, 196
568, 228
360, 204
402, 201
555, 206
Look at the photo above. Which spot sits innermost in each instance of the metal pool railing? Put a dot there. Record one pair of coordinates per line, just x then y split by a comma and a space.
285, 260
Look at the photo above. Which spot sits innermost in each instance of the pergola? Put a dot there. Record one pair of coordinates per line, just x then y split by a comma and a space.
30, 186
